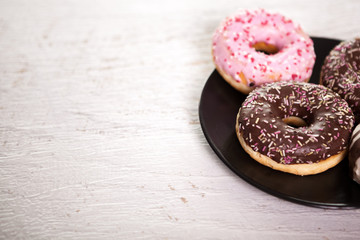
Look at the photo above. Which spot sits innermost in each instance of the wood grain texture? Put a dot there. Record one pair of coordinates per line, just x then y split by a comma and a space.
99, 129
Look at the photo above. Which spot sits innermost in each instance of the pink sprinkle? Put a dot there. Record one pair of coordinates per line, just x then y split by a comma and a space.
299, 52
239, 20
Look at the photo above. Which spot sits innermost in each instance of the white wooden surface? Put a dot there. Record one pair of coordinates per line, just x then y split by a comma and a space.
99, 129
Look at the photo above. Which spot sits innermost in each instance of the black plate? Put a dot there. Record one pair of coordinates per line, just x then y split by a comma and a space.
219, 105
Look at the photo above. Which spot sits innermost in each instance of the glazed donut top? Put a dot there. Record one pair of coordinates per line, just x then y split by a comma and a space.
341, 72
239, 33
328, 117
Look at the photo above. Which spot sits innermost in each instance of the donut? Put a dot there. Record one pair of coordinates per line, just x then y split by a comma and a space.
354, 155
254, 47
341, 72
295, 127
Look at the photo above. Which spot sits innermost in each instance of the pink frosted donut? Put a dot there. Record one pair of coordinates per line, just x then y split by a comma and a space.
240, 41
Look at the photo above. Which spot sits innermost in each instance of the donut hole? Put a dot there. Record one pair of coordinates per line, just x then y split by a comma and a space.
295, 122
266, 48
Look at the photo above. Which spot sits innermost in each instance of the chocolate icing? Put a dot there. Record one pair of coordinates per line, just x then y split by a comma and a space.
341, 73
329, 122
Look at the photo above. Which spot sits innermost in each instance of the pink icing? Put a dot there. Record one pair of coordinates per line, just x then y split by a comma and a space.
233, 51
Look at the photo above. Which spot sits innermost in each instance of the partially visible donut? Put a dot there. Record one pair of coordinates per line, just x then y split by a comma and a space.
341, 73
316, 141
354, 155
240, 41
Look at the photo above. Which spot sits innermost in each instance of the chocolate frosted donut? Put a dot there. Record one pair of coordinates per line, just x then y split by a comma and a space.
354, 155
295, 127
341, 73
